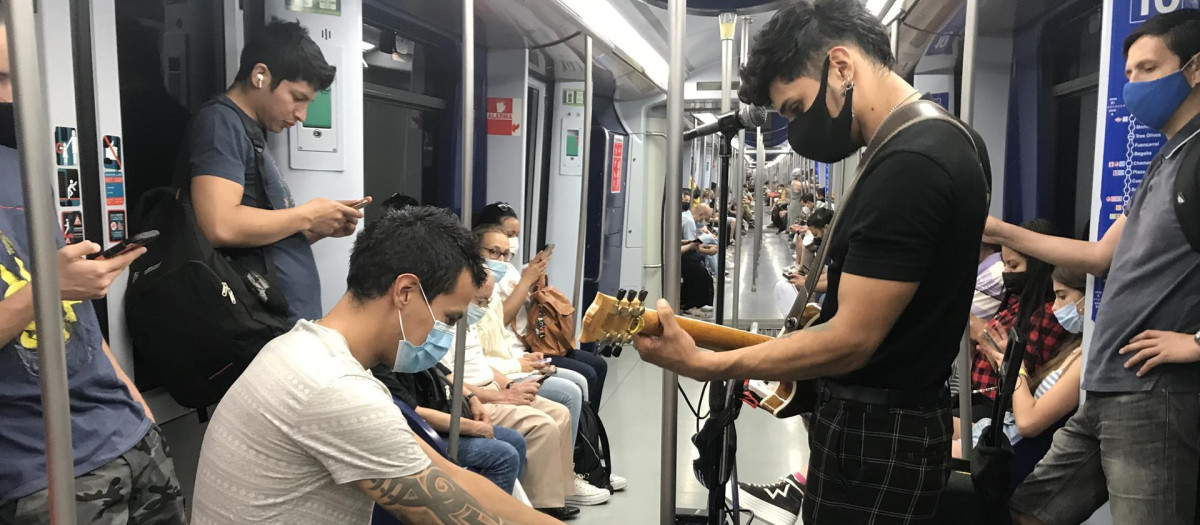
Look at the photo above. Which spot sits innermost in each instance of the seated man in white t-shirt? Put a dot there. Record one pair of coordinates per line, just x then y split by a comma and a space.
308, 435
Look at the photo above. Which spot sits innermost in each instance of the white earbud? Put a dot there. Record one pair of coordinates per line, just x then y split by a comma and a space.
260, 80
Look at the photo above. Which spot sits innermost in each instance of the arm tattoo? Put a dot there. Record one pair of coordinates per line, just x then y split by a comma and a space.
430, 496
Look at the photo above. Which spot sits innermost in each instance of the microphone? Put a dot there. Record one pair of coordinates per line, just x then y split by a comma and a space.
748, 116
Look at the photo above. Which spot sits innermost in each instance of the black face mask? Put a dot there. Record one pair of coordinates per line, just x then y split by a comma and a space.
1014, 282
816, 135
8, 126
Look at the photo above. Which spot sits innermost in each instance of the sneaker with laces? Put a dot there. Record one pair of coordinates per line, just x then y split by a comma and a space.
618, 483
587, 494
778, 503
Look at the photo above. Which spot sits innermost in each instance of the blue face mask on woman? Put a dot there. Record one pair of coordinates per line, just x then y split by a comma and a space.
1069, 317
475, 313
498, 268
1153, 102
412, 359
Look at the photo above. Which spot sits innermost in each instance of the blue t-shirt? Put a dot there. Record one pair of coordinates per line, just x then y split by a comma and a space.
105, 420
219, 147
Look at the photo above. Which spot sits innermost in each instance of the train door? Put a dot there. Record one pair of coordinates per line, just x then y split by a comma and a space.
605, 199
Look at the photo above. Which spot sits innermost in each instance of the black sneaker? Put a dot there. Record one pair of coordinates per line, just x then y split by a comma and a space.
561, 513
777, 504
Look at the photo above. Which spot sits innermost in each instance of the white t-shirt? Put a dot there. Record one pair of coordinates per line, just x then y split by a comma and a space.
520, 325
476, 371
295, 431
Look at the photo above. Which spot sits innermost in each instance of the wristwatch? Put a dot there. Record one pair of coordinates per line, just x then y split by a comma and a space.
1196, 338
469, 396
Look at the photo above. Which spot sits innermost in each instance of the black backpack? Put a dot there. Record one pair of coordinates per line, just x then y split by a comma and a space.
197, 315
592, 455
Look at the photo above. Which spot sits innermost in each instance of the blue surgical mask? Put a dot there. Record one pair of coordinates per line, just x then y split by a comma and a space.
411, 359
1152, 102
1069, 317
474, 314
498, 268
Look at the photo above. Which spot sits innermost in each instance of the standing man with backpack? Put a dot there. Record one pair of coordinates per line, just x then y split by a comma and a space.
1135, 442
281, 71
123, 470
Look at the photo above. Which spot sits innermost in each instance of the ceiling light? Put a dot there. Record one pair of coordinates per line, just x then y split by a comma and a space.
874, 6
604, 21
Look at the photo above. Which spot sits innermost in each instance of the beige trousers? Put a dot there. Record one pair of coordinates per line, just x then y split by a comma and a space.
549, 458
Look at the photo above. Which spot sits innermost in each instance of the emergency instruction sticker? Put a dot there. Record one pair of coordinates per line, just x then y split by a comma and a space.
70, 194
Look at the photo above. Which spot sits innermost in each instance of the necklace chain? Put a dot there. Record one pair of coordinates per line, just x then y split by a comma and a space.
902, 101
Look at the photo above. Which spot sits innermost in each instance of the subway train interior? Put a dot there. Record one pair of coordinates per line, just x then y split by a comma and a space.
570, 114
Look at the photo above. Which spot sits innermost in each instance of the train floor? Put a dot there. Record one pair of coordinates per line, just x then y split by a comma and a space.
768, 448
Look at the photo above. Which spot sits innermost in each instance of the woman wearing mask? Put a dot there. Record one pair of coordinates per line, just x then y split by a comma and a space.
513, 289
1029, 297
1043, 400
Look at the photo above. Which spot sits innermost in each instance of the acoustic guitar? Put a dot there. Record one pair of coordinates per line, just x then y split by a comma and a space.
611, 323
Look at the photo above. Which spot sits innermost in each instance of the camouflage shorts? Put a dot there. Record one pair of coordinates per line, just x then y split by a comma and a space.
139, 487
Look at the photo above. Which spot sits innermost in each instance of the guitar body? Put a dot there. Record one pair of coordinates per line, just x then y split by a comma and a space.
612, 322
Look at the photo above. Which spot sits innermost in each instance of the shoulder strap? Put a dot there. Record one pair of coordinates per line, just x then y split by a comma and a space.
258, 142
904, 117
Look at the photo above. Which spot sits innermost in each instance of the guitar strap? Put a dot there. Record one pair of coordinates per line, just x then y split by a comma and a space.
901, 119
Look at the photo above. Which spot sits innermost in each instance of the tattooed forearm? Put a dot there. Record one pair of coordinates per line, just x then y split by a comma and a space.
429, 496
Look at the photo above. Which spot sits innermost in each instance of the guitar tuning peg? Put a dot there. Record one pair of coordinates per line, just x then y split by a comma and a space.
606, 351
621, 294
617, 351
642, 296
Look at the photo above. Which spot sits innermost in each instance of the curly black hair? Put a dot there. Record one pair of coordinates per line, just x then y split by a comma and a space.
794, 42
425, 241
1180, 31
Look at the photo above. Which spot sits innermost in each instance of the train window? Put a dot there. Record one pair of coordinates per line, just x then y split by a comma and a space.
170, 60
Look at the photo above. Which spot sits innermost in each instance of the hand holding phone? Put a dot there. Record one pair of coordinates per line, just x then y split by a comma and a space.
126, 245
362, 203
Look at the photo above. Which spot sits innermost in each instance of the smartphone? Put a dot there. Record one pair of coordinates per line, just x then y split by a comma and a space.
543, 379
545, 361
131, 243
362, 203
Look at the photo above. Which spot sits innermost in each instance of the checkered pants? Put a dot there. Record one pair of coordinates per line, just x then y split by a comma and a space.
876, 465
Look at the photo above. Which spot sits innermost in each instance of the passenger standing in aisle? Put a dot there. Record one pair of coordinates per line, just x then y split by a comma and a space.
1141, 372
900, 277
281, 71
124, 473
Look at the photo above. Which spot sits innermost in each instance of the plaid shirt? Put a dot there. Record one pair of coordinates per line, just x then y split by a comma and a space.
1044, 339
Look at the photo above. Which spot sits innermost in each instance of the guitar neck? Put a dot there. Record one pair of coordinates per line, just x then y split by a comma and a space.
709, 335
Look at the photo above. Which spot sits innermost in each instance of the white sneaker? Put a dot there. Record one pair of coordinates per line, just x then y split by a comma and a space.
618, 483
706, 308
587, 494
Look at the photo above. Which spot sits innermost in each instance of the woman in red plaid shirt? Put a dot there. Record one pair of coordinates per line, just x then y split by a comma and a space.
1027, 288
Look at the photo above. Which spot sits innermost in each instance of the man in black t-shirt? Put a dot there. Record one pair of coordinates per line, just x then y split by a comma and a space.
900, 277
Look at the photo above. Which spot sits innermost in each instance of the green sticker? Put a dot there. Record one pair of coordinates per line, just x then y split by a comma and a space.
320, 111
324, 7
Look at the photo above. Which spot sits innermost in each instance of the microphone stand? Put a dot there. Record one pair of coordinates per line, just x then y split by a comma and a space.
726, 152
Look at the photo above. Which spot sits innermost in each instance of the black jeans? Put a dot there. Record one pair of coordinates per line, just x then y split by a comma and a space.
591, 366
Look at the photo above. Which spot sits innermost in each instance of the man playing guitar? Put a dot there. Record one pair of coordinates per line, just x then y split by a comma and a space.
902, 256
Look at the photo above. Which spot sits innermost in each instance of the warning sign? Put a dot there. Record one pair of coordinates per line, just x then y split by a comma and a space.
112, 152
116, 226
64, 146
618, 157
69, 190
504, 116
72, 226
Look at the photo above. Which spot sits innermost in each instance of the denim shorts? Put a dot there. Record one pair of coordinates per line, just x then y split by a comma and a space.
1138, 451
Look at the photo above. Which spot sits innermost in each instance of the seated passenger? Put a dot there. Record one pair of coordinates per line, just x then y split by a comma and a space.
120, 458
308, 435
1042, 401
513, 291
696, 291
549, 478
496, 453
1028, 293
280, 73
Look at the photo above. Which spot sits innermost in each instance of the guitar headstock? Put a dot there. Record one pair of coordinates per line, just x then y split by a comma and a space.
611, 321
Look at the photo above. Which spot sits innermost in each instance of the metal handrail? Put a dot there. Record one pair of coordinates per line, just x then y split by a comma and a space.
37, 166
586, 157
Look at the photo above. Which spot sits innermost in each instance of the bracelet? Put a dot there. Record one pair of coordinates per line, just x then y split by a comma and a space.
469, 396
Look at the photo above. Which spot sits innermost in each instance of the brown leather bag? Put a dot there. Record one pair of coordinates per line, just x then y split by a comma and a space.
551, 321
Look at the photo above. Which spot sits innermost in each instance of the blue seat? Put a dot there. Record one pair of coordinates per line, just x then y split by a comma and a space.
427, 434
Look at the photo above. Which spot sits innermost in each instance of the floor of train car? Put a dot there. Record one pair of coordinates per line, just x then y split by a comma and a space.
768, 447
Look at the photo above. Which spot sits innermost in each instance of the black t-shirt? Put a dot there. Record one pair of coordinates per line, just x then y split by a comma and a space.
916, 215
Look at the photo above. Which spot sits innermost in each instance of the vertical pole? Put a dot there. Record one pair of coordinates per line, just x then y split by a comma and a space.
728, 25
677, 15
737, 176
37, 167
759, 177
468, 166
970, 48
586, 157
970, 55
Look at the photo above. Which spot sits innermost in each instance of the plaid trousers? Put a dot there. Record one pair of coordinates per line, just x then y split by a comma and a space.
876, 465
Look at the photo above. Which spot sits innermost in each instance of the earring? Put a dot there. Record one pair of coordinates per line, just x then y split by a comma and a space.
848, 87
